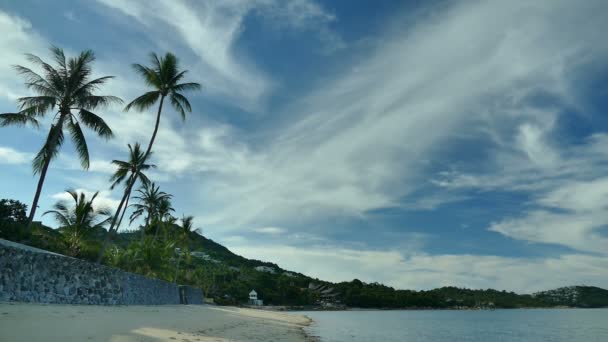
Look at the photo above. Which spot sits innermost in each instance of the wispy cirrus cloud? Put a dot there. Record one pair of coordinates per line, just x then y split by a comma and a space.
368, 137
211, 29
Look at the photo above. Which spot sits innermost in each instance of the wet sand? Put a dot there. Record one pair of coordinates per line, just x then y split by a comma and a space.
187, 323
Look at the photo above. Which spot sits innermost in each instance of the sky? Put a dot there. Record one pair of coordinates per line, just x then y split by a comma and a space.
415, 143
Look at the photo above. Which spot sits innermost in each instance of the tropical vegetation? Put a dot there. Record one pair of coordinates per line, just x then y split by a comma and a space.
68, 91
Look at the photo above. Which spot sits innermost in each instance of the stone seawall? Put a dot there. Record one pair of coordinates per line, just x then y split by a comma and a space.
32, 275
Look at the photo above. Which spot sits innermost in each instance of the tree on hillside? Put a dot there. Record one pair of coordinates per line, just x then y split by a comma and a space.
78, 221
68, 91
164, 78
12, 210
164, 218
187, 227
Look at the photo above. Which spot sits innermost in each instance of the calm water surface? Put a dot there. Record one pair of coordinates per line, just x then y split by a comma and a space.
568, 325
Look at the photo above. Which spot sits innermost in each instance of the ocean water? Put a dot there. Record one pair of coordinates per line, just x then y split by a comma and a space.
557, 325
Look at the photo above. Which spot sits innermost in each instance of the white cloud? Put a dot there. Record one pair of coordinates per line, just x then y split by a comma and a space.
211, 29
366, 138
17, 38
103, 199
575, 215
421, 271
269, 230
9, 155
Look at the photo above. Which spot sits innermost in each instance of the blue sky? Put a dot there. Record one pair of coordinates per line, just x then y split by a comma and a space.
418, 144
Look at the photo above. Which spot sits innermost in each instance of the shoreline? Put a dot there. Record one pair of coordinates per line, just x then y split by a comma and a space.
187, 323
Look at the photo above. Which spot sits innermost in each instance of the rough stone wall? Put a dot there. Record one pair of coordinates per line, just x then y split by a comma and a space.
193, 295
28, 275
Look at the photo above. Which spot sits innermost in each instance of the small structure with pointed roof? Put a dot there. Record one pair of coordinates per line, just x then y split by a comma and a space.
253, 299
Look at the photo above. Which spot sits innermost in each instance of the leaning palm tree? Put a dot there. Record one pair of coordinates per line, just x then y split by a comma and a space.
125, 172
164, 78
187, 227
133, 169
67, 90
79, 221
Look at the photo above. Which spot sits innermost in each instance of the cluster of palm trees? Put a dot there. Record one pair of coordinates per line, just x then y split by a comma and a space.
68, 92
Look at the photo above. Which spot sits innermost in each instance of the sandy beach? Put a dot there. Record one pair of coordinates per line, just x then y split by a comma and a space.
39, 322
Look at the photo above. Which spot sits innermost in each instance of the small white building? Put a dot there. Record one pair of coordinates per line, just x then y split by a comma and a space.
266, 269
253, 299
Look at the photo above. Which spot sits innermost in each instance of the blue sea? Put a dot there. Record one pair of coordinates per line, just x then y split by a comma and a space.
556, 325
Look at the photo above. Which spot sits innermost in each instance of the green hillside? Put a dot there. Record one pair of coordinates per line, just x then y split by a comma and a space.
576, 296
228, 277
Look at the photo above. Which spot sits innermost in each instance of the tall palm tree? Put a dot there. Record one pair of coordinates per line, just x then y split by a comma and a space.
80, 220
164, 78
67, 90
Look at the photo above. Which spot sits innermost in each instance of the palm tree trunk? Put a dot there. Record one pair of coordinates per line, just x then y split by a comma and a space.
124, 210
158, 226
114, 220
143, 230
160, 109
45, 167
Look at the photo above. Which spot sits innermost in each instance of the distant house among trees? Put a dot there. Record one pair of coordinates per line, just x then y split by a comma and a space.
253, 299
266, 269
327, 294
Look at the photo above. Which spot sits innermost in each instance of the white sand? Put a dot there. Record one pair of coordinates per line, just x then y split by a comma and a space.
39, 322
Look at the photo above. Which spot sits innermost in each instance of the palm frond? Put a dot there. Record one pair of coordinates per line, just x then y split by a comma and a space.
17, 119
95, 101
43, 89
53, 77
181, 104
178, 107
80, 143
144, 101
79, 70
90, 86
38, 105
118, 176
188, 86
50, 149
59, 217
59, 57
36, 82
169, 66
151, 77
95, 123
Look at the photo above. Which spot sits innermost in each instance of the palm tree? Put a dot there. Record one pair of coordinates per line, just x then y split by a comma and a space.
164, 77
132, 169
67, 90
152, 202
187, 225
79, 221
